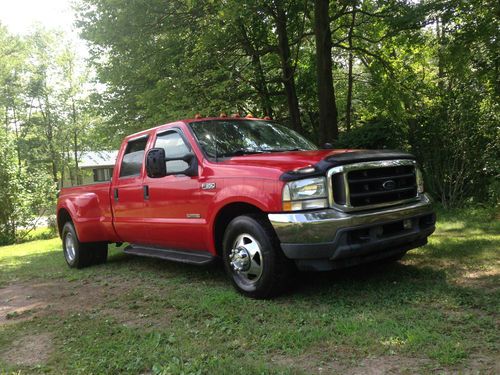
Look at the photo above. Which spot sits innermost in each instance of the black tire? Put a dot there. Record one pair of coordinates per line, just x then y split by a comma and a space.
275, 269
78, 254
99, 251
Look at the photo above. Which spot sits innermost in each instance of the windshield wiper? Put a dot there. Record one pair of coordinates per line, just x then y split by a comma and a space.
239, 152
282, 149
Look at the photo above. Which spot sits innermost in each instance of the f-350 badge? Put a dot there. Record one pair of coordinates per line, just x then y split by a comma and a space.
208, 186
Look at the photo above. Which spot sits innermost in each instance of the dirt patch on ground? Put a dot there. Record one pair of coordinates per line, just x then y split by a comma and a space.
321, 359
337, 365
389, 365
19, 302
339, 361
481, 279
135, 319
29, 351
113, 299
480, 364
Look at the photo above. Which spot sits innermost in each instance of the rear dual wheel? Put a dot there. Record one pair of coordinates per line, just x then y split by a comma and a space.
253, 258
79, 254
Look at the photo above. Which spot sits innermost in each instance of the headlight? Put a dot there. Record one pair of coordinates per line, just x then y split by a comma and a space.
420, 181
307, 194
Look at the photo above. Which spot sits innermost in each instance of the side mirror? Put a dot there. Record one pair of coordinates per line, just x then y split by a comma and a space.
156, 163
327, 146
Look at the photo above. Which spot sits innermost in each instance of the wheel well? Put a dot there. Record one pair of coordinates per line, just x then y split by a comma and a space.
224, 217
63, 217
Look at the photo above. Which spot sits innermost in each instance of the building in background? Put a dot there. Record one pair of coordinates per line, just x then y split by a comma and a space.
97, 166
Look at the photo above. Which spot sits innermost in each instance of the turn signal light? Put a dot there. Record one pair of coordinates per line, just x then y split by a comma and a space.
287, 206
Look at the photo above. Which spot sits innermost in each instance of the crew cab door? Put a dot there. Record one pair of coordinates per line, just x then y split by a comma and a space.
175, 215
127, 193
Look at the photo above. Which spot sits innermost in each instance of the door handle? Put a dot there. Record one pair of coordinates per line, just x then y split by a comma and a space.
145, 190
115, 193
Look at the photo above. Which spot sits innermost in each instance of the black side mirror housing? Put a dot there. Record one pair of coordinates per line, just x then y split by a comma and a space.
156, 163
327, 146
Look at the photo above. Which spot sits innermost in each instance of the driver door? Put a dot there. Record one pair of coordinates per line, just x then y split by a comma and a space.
174, 215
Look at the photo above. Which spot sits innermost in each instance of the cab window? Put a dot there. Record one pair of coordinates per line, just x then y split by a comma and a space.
133, 158
174, 146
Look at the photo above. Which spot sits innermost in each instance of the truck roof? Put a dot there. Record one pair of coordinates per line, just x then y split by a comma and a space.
191, 120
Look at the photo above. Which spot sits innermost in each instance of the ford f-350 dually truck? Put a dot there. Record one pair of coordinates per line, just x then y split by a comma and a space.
250, 192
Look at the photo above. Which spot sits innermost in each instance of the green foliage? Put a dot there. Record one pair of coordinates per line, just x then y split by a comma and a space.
23, 195
377, 133
45, 125
459, 146
424, 77
9, 186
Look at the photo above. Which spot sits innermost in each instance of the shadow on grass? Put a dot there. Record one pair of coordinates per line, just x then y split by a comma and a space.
361, 308
460, 250
376, 283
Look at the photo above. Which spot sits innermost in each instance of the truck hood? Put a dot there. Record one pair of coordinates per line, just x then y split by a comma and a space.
285, 161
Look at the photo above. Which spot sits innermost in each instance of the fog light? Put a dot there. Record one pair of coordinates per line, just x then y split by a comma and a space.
407, 224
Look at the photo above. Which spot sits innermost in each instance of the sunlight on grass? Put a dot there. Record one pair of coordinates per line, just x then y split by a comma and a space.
451, 226
440, 302
16, 253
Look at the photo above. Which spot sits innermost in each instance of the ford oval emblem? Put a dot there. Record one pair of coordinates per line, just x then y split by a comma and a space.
389, 185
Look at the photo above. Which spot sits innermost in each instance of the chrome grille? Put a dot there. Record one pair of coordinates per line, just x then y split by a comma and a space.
372, 184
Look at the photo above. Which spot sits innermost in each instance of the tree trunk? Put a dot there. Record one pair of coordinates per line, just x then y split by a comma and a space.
261, 86
6, 118
328, 128
49, 132
63, 172
287, 70
75, 144
260, 79
350, 81
440, 38
16, 131
412, 125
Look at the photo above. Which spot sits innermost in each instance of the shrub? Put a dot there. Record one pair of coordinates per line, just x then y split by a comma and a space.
376, 133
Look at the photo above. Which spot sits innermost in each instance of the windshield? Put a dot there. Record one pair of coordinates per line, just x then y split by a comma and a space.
225, 138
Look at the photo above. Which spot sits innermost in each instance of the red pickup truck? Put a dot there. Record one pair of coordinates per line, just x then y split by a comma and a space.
252, 192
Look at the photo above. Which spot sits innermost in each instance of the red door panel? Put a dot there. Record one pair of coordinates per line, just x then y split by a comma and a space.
128, 195
175, 217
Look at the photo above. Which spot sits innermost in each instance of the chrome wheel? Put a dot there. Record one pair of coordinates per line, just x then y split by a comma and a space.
246, 259
69, 247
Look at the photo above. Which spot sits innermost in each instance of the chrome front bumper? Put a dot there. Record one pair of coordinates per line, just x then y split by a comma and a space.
334, 235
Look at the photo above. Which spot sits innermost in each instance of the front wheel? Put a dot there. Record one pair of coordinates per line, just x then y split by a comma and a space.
253, 259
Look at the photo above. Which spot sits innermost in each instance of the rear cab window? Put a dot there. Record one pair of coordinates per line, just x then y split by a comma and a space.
133, 157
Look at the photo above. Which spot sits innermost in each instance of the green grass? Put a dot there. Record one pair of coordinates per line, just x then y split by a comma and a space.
438, 306
40, 233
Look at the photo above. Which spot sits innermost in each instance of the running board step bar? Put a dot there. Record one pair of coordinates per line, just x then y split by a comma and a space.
181, 256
